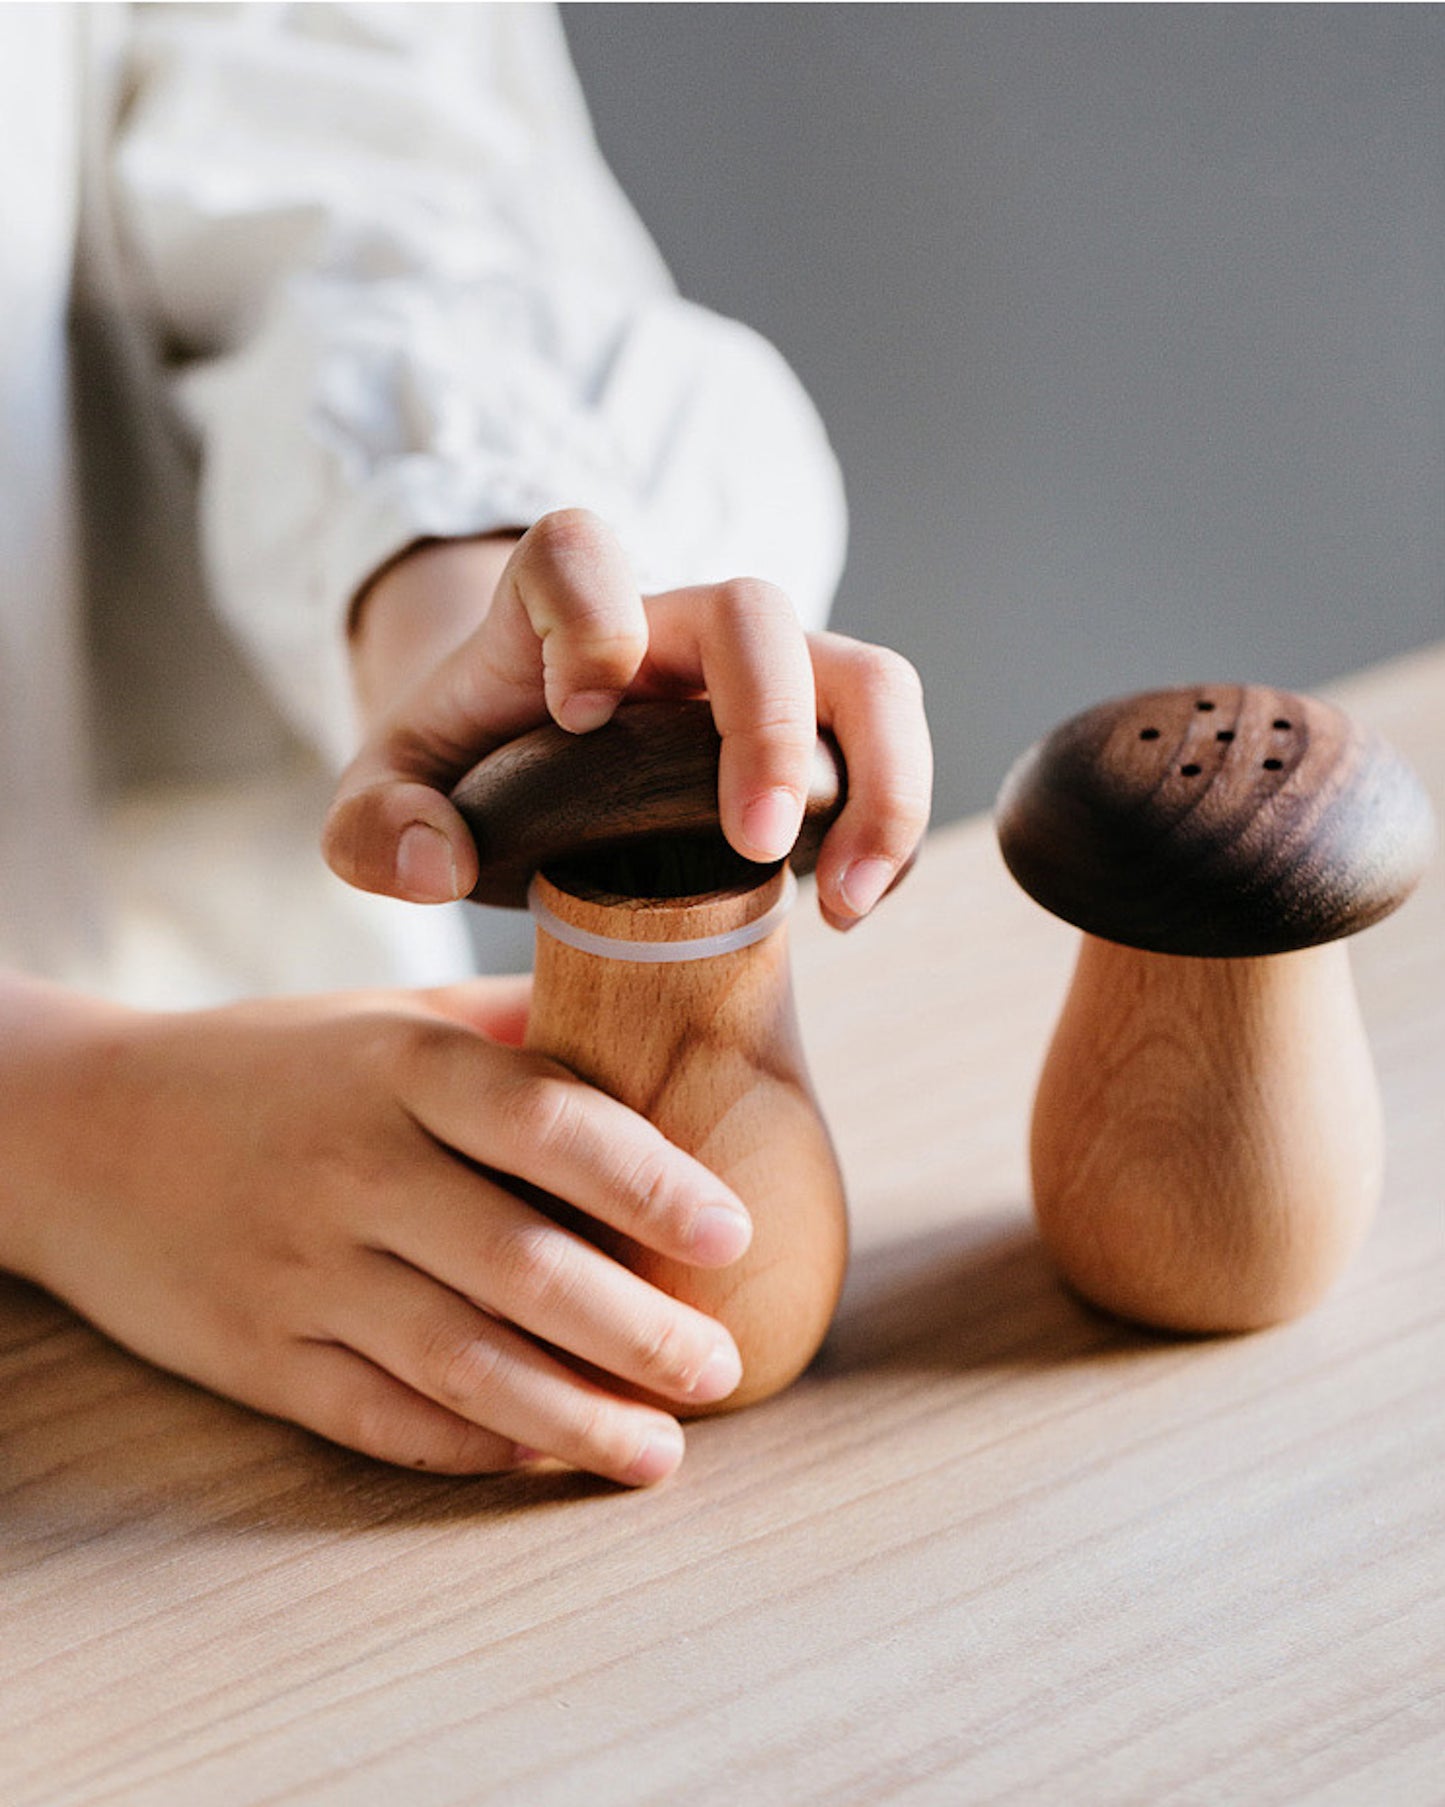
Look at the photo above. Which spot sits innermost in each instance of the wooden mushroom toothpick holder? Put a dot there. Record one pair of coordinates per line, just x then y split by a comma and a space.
1206, 1144
662, 977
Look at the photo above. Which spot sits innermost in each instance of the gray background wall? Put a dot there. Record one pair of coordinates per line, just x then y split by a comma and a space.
1128, 323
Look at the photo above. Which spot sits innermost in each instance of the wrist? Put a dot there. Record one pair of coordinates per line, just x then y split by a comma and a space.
417, 609
55, 1048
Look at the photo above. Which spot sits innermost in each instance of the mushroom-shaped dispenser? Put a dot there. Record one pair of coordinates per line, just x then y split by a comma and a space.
662, 977
1206, 1144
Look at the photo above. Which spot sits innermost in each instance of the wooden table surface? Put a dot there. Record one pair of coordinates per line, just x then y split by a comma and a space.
993, 1547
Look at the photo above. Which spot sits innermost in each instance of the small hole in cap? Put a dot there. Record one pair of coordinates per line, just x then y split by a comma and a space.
1225, 734
1280, 722
1148, 734
1273, 765
1205, 706
1189, 771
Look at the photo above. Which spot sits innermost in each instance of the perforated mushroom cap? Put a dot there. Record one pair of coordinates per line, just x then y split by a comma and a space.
646, 779
1220, 820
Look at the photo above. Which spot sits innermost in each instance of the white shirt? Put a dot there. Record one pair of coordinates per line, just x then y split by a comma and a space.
339, 277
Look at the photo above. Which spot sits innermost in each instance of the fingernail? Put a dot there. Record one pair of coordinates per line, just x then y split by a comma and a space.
720, 1375
425, 868
720, 1233
587, 709
659, 1455
864, 883
771, 823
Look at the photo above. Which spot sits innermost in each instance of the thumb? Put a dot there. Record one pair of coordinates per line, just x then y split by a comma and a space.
566, 633
496, 1007
391, 834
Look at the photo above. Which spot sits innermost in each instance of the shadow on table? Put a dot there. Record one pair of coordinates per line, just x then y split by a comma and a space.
96, 1443
976, 1293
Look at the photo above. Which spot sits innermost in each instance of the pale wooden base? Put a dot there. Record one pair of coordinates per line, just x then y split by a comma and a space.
709, 1051
1206, 1140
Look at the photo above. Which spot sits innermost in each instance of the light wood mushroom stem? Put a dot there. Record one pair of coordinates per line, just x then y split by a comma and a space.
709, 1051
1207, 1148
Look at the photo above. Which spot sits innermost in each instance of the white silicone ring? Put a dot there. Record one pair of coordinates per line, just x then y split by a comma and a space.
662, 953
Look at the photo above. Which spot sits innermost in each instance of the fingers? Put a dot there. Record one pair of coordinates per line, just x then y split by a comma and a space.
344, 1397
741, 642
770, 687
533, 1119
477, 1239
565, 634
566, 627
873, 701
477, 1372
462, 1280
396, 836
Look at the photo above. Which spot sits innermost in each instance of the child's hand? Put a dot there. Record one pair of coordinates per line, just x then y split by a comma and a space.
294, 1203
566, 634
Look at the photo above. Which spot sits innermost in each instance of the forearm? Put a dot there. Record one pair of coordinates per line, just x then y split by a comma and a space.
416, 610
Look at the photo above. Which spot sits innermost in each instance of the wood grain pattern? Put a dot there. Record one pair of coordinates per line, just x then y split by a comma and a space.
650, 772
992, 1547
1206, 1139
709, 1051
1215, 820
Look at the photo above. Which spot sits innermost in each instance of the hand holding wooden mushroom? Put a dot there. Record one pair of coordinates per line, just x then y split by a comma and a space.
662, 977
1206, 1142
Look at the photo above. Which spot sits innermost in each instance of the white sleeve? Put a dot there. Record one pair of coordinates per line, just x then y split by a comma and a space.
404, 298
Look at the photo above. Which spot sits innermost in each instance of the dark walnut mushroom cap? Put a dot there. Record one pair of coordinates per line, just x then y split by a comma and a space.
647, 777
1221, 820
